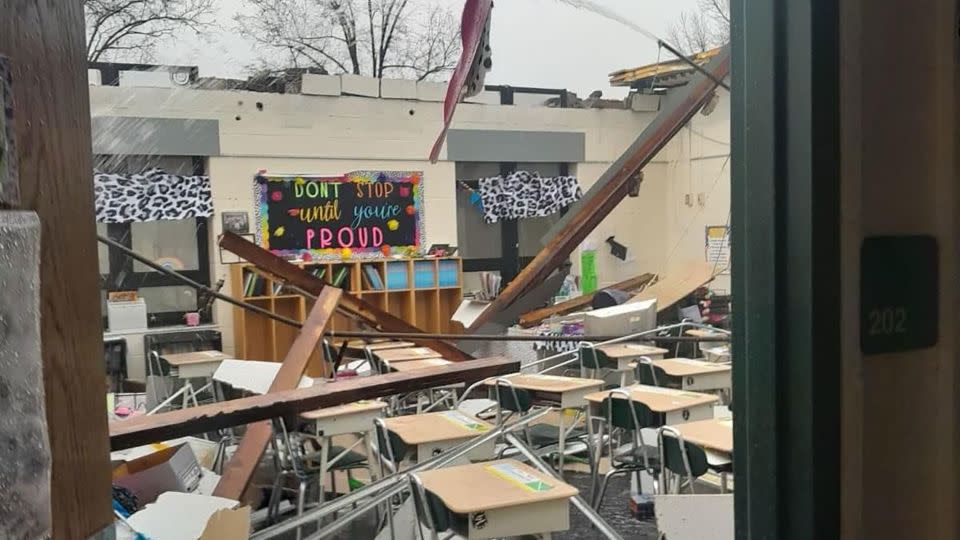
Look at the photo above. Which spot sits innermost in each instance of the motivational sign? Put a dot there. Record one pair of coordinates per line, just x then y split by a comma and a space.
362, 214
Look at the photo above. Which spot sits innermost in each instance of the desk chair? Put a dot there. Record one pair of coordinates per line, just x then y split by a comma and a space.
295, 456
628, 417
390, 447
593, 358
157, 369
431, 511
596, 360
681, 461
515, 400
650, 374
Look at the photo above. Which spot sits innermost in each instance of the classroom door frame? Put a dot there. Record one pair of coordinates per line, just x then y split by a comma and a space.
785, 207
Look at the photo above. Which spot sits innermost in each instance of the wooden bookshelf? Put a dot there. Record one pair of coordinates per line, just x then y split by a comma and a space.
424, 291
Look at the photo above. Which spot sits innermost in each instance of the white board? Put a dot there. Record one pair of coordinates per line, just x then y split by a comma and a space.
252, 375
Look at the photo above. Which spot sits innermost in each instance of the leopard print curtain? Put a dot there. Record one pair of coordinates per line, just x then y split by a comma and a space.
153, 195
525, 195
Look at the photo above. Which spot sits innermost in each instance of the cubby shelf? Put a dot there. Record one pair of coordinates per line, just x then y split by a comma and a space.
425, 291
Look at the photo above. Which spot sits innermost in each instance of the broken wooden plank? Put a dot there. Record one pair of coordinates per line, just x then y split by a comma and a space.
239, 470
373, 316
44, 42
142, 430
613, 188
535, 317
677, 285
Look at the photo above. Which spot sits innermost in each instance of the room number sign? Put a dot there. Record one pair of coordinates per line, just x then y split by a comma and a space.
899, 293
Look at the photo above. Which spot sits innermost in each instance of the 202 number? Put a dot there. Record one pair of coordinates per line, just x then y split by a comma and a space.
888, 321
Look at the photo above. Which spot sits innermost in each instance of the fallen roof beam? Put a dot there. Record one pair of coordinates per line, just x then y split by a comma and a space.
371, 315
142, 430
610, 189
243, 464
677, 285
535, 317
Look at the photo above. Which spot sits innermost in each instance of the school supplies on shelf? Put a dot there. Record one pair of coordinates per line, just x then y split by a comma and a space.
372, 277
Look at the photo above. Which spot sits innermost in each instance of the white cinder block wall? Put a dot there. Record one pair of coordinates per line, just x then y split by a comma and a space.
335, 134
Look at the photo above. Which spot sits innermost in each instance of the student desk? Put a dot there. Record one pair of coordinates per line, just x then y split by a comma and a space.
387, 345
625, 353
446, 392
352, 418
186, 366
622, 357
702, 333
437, 432
366, 350
710, 346
714, 435
195, 364
674, 406
697, 375
413, 365
503, 498
554, 391
393, 356
343, 419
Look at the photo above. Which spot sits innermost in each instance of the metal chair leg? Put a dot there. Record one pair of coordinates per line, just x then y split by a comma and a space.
301, 499
273, 507
603, 487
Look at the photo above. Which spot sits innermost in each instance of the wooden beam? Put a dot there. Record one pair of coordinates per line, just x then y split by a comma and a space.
613, 188
46, 46
681, 282
240, 468
158, 427
373, 316
532, 318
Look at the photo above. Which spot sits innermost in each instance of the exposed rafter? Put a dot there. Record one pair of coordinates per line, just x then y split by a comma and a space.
611, 188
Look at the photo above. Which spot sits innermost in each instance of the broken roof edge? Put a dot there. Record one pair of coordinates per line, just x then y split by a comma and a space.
628, 76
670, 102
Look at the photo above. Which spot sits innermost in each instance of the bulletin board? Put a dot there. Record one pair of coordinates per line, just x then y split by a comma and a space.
366, 214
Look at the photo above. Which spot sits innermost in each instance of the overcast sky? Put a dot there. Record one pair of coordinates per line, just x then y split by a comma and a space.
535, 43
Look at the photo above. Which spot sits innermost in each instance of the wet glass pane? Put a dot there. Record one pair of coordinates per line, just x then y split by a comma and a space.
168, 299
172, 244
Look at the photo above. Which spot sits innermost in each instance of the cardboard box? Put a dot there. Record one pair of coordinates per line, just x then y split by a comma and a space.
170, 469
179, 516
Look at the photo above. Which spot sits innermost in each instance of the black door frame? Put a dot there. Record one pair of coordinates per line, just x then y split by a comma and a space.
785, 205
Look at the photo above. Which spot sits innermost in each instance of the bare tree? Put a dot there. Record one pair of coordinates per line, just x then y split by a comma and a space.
706, 28
363, 37
132, 29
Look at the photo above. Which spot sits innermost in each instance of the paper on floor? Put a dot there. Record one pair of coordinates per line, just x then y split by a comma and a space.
186, 516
